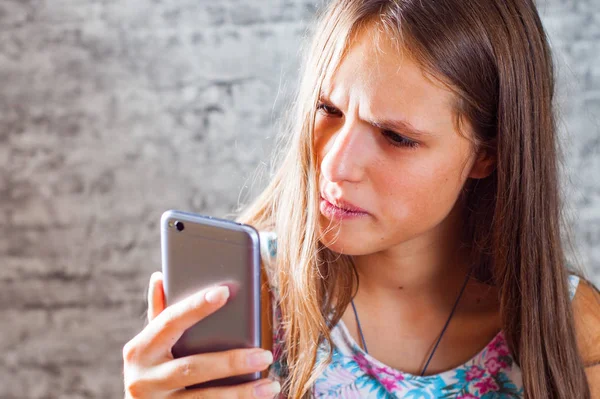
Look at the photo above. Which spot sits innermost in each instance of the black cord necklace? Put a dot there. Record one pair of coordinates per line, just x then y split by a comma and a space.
362, 337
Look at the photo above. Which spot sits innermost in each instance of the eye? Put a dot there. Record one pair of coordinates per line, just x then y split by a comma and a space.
393, 138
399, 141
328, 110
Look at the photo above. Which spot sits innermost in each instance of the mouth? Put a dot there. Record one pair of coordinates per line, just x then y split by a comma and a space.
339, 209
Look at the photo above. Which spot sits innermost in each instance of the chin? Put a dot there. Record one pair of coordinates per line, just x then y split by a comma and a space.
349, 241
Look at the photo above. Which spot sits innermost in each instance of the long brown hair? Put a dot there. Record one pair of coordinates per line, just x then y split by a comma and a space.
494, 55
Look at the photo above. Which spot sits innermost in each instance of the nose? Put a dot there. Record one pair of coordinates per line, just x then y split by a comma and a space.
346, 155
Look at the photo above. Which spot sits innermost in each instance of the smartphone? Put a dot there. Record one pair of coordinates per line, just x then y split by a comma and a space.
200, 251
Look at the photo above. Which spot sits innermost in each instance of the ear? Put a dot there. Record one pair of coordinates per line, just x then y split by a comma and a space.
484, 165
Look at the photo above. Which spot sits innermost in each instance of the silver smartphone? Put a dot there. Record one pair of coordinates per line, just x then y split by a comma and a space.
200, 251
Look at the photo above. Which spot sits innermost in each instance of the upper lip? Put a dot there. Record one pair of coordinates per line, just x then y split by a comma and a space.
340, 203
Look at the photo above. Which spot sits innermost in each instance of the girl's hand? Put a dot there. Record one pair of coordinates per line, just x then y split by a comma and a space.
151, 372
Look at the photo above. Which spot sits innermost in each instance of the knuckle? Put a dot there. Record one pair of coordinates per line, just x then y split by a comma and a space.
242, 392
235, 360
129, 352
134, 389
170, 318
195, 303
186, 369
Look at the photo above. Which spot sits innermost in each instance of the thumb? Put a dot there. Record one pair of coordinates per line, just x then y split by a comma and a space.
156, 297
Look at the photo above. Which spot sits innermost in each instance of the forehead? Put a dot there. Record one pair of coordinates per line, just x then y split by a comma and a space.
385, 82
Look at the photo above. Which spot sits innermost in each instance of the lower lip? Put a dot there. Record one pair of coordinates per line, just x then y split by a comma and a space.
333, 212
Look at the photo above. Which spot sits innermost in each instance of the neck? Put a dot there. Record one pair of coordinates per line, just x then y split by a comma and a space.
424, 274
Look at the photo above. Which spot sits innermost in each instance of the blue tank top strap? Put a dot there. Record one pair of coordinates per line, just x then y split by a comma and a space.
573, 284
268, 245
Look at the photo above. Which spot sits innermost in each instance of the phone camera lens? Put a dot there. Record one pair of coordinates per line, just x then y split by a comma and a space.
179, 225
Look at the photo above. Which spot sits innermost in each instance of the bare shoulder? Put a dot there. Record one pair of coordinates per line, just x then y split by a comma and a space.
586, 311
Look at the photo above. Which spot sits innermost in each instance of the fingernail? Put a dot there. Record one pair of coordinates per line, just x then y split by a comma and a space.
260, 358
217, 294
267, 390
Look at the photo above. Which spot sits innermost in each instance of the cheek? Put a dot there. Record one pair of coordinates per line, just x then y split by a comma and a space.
422, 190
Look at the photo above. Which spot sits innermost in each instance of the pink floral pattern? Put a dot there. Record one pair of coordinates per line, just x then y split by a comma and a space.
474, 373
486, 385
491, 372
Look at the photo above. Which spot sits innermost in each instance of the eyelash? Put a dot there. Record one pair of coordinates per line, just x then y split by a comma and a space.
394, 139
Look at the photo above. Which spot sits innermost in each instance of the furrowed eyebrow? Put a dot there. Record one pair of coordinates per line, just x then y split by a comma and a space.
399, 126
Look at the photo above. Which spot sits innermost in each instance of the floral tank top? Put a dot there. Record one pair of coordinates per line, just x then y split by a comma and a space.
490, 374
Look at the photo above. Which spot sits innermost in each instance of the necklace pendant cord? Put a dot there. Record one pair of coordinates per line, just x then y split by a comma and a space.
364, 343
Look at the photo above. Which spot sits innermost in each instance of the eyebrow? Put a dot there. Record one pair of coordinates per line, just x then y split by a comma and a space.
399, 126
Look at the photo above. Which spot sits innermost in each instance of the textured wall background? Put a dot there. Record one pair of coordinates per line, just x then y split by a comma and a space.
113, 111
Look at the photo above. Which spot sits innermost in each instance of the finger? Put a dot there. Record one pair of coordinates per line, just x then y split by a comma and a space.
195, 369
166, 328
257, 389
156, 298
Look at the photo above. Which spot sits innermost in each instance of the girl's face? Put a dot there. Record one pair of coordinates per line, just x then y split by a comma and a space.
386, 143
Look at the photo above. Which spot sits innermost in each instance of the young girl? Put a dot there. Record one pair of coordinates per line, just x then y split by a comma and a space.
412, 234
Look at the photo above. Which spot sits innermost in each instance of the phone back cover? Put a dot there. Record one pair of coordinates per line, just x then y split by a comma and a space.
208, 252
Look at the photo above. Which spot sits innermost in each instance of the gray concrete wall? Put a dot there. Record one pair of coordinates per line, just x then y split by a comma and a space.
113, 111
